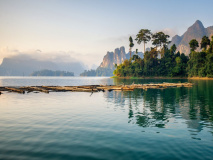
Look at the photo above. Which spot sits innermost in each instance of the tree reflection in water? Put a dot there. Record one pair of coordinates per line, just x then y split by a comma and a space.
156, 107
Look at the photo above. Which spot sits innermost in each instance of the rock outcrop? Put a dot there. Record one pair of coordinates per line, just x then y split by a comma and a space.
106, 67
196, 31
116, 57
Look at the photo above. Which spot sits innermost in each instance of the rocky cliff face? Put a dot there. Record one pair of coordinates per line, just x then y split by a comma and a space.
116, 57
106, 67
209, 31
196, 31
112, 58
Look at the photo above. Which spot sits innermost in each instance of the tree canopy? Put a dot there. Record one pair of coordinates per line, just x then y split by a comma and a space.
131, 44
171, 64
159, 39
193, 44
204, 42
144, 35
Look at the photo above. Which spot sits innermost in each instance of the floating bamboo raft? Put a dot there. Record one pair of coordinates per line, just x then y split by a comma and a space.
91, 88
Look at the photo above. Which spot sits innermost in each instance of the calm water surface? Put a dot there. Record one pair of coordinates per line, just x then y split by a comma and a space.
174, 123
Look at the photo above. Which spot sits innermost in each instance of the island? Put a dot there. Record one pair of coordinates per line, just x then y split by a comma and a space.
164, 62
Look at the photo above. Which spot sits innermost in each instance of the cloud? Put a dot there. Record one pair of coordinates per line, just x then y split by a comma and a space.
5, 52
88, 60
37, 54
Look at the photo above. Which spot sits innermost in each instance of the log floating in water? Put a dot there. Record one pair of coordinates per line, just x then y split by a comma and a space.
92, 88
32, 88
12, 89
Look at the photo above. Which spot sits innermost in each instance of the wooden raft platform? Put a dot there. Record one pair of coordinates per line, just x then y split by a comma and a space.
91, 88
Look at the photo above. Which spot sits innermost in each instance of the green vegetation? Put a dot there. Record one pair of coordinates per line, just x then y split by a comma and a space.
144, 35
204, 42
167, 62
87, 73
51, 73
131, 44
160, 39
98, 72
193, 44
169, 65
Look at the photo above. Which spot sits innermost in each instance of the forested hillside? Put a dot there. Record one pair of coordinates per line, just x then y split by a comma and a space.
171, 63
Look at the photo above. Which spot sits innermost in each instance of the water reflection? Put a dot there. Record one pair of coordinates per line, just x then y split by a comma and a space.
175, 123
54, 81
161, 108
143, 81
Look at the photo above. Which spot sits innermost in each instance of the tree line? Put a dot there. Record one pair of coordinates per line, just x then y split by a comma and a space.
98, 72
166, 62
46, 72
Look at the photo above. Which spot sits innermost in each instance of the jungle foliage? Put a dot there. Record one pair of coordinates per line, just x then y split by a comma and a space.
165, 62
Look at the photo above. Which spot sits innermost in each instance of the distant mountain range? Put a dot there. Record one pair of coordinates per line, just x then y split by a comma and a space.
106, 67
23, 65
196, 31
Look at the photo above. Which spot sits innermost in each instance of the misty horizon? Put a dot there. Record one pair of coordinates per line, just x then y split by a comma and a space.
85, 31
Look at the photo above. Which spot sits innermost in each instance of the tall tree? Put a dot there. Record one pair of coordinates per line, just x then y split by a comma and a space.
204, 42
136, 51
131, 44
211, 46
160, 39
173, 48
144, 35
209, 65
193, 44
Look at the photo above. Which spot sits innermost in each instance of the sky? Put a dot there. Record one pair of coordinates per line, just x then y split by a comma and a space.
84, 30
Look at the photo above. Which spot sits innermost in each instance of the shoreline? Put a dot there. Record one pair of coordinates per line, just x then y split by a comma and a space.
191, 78
201, 78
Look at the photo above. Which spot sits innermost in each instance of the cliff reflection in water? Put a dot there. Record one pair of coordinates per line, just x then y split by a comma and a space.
159, 108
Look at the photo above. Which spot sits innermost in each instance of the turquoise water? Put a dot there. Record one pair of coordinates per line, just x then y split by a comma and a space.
175, 123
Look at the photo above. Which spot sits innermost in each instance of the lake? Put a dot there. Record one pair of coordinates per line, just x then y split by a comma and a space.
174, 123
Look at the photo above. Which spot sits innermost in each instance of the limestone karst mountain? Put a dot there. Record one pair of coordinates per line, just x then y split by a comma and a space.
196, 31
116, 57
106, 67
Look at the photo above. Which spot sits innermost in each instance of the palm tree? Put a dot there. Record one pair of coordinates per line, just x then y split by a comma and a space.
144, 35
131, 44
